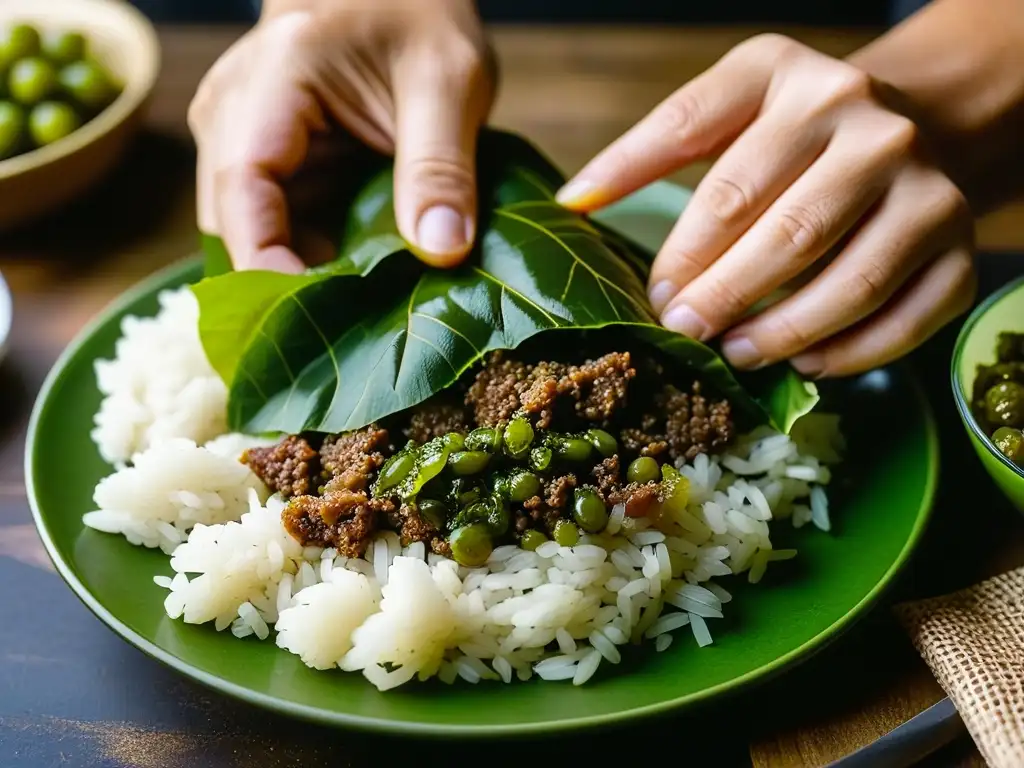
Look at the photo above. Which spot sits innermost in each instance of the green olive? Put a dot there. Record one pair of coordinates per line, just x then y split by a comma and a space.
468, 462
643, 470
12, 127
1004, 404
532, 539
484, 439
573, 449
453, 441
395, 470
18, 41
1010, 442
433, 511
50, 121
566, 534
589, 510
603, 442
88, 85
540, 458
523, 485
518, 436
471, 544
32, 80
63, 47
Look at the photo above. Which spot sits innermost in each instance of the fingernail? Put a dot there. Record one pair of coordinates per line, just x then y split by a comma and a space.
810, 364
661, 294
576, 191
742, 353
684, 320
442, 230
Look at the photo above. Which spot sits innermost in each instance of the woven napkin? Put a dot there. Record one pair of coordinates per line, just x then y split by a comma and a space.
973, 640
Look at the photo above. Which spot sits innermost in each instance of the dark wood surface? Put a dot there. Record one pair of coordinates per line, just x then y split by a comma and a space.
73, 694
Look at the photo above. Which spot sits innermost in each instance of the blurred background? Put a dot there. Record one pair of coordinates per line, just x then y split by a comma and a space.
827, 12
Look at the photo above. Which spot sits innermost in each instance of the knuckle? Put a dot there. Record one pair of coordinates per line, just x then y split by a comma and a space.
678, 114
802, 230
869, 286
440, 172
773, 46
724, 300
952, 201
788, 337
849, 83
901, 134
727, 200
465, 60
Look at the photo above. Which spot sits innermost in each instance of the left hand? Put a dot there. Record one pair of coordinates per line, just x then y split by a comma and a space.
811, 159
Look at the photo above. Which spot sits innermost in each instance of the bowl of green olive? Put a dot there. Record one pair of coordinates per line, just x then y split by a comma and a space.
75, 76
988, 385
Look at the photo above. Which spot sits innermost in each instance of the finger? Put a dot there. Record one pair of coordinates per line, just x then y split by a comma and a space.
694, 122
440, 103
262, 141
797, 229
921, 213
770, 155
942, 292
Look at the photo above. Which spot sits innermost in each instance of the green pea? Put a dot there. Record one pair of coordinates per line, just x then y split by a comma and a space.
573, 449
484, 439
394, 471
453, 441
523, 485
532, 539
434, 512
471, 545
63, 47
468, 462
88, 85
1011, 442
603, 442
12, 126
518, 436
19, 41
50, 121
32, 80
566, 534
643, 470
540, 458
589, 511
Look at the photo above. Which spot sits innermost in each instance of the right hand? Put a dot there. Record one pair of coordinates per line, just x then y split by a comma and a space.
411, 78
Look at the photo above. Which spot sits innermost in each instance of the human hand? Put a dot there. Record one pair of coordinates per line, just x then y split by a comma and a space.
812, 161
408, 77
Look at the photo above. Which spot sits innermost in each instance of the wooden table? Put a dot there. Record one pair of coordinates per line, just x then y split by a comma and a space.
572, 91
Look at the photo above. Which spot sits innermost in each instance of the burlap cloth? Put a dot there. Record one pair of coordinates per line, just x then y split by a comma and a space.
973, 640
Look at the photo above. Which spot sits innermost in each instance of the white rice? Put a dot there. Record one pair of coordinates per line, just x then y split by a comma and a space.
159, 384
401, 614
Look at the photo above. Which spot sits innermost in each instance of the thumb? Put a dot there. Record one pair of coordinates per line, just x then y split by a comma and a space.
438, 111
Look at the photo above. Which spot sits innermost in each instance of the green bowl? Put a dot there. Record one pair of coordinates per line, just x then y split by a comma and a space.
976, 345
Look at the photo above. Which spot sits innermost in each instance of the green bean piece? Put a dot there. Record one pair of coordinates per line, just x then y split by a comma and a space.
498, 517
1010, 442
523, 485
465, 491
518, 437
532, 539
643, 470
454, 442
572, 449
471, 545
430, 460
540, 458
603, 442
484, 439
468, 462
434, 512
394, 471
566, 534
589, 511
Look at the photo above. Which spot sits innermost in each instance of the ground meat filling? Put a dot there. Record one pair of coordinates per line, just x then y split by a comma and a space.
595, 390
329, 480
288, 468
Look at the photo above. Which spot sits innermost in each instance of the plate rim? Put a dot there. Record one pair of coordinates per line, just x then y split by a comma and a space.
761, 674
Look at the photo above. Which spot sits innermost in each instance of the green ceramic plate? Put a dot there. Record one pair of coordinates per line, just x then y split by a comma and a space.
879, 508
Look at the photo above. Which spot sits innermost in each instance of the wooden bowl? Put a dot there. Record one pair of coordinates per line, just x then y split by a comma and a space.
121, 39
